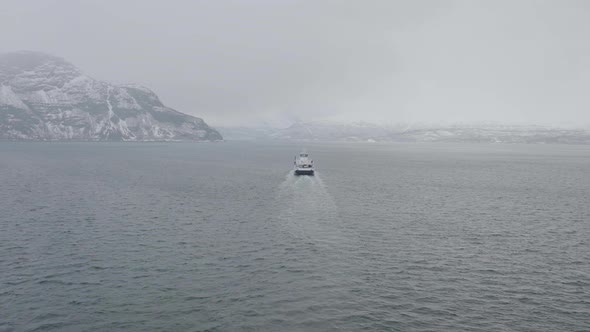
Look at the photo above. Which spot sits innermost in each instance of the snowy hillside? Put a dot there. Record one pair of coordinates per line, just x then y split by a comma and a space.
43, 97
367, 132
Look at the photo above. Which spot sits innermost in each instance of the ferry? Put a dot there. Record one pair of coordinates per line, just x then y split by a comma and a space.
303, 164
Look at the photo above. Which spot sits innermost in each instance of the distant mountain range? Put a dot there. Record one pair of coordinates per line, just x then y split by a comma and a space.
366, 132
43, 97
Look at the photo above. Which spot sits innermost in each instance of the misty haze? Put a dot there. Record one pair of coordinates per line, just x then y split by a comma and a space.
294, 165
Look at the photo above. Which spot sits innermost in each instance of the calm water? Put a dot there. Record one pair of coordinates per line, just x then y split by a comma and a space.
220, 237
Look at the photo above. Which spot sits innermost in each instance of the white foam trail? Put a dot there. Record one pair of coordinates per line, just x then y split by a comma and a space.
318, 178
290, 178
308, 211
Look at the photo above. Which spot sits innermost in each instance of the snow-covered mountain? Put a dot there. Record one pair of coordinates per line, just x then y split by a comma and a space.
361, 131
43, 97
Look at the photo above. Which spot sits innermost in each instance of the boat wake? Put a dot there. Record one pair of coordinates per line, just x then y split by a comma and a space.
308, 211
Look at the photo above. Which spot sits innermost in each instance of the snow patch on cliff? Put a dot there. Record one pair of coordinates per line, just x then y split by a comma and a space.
8, 97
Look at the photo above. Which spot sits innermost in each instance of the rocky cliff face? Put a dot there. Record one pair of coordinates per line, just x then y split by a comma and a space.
43, 97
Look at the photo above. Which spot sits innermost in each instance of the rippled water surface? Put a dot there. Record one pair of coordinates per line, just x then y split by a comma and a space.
221, 237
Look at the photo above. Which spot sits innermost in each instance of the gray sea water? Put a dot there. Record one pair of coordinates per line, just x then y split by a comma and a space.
221, 237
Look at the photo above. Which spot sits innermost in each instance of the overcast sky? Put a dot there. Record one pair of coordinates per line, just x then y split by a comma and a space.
244, 62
